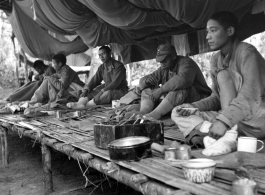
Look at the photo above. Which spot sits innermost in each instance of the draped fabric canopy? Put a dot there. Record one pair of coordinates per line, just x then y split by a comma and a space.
133, 28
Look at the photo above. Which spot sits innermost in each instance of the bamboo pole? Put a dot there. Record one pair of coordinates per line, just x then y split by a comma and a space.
4, 143
6, 148
46, 163
2, 146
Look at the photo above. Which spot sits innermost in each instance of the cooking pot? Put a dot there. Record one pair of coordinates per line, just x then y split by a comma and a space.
106, 132
132, 148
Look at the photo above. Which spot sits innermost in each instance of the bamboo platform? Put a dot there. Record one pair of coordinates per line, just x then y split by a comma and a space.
173, 134
153, 176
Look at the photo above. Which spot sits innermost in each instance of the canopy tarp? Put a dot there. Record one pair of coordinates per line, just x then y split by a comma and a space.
134, 28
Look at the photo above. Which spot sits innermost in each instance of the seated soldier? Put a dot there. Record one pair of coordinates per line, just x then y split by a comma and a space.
64, 84
113, 73
236, 105
43, 70
26, 92
181, 81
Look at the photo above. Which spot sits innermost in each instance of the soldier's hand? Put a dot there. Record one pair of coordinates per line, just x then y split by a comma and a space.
217, 129
84, 93
186, 109
152, 80
156, 94
60, 94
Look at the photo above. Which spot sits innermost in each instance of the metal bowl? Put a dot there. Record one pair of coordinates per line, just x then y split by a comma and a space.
130, 148
199, 170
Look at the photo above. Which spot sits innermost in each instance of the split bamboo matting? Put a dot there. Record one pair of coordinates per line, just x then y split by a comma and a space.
155, 168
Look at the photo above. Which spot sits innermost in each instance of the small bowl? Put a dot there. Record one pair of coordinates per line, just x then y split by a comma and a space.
199, 170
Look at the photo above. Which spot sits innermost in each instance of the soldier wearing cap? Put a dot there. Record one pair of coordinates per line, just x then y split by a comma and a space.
178, 80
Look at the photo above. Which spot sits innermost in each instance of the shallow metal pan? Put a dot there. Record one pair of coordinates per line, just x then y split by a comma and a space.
132, 148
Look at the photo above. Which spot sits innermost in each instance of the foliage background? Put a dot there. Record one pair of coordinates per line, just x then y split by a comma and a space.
7, 59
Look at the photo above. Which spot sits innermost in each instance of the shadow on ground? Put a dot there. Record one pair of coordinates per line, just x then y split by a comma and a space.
24, 174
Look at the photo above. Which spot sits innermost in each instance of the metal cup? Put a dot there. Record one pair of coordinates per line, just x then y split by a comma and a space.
77, 114
241, 187
183, 152
170, 153
59, 114
115, 103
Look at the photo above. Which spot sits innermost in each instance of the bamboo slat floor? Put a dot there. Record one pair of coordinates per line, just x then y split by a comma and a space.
160, 174
174, 134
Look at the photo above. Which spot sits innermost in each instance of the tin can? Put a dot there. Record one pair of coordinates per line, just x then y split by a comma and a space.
170, 153
183, 152
59, 114
115, 103
244, 187
77, 114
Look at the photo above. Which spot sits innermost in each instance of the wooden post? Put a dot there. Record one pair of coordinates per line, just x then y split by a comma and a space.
129, 76
5, 153
47, 170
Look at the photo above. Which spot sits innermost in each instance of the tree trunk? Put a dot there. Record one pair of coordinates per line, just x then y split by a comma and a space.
17, 58
26, 66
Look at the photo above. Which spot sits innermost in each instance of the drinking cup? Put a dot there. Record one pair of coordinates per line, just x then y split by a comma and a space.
249, 144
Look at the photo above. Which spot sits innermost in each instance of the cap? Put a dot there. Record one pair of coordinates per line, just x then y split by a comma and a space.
163, 51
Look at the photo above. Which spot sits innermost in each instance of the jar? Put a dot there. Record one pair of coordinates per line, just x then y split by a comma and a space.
183, 152
59, 114
170, 153
77, 114
244, 186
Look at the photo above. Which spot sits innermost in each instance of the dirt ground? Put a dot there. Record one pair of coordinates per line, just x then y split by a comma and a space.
24, 174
